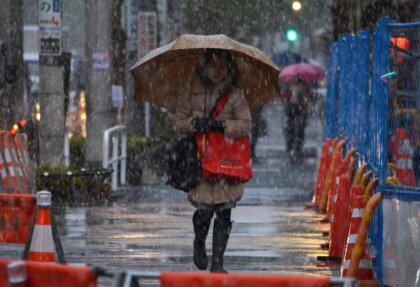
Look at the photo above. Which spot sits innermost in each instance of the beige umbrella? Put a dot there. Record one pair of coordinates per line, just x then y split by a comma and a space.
161, 75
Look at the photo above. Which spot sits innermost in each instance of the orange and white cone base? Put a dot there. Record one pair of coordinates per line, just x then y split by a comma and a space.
42, 246
365, 270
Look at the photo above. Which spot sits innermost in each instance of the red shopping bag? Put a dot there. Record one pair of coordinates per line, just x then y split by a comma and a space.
223, 157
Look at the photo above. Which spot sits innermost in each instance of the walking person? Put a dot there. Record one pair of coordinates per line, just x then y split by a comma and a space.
215, 75
258, 129
297, 109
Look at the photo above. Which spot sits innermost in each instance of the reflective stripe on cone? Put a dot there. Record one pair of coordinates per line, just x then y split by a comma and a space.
365, 270
42, 246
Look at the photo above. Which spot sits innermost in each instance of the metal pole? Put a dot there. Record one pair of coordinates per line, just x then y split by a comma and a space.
66, 148
115, 161
123, 155
105, 149
147, 120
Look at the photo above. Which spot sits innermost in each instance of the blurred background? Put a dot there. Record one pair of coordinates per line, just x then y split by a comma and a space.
98, 42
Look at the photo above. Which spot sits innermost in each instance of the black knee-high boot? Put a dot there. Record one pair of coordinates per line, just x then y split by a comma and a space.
201, 221
221, 232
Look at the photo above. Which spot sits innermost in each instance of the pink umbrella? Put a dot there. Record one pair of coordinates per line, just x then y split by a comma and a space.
305, 71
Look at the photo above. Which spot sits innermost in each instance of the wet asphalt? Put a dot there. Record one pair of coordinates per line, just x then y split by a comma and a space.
149, 228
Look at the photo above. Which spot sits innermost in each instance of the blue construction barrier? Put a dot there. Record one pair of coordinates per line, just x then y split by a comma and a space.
373, 102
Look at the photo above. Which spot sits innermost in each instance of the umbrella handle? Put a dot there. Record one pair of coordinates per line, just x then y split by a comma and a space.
201, 151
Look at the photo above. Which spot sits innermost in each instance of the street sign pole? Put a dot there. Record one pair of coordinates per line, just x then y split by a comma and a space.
50, 27
147, 41
54, 76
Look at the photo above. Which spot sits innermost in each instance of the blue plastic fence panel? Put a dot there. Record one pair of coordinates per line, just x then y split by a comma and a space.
379, 104
343, 86
347, 96
378, 126
353, 95
331, 104
351, 84
340, 83
362, 93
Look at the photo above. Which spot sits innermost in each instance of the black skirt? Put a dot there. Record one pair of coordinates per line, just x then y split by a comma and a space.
215, 207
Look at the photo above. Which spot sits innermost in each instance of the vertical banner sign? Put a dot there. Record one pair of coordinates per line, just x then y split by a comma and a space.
147, 33
132, 9
49, 27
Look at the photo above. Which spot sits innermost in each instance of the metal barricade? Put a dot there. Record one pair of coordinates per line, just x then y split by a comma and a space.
117, 137
193, 279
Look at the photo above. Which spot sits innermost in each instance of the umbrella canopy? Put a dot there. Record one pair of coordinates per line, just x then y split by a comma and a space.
286, 58
162, 74
305, 71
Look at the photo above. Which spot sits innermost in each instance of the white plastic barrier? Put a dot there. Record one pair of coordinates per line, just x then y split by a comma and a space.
117, 136
401, 239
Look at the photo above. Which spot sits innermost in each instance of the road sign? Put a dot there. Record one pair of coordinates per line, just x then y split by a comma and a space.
49, 27
131, 24
147, 33
100, 59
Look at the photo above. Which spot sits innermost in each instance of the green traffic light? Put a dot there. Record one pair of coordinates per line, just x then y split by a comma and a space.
292, 35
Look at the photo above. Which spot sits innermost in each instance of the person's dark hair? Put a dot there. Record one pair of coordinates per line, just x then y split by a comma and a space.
232, 69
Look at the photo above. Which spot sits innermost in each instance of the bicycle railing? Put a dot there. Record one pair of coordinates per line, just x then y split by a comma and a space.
117, 137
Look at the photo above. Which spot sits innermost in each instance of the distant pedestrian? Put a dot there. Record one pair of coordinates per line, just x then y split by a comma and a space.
297, 109
30, 128
216, 74
258, 129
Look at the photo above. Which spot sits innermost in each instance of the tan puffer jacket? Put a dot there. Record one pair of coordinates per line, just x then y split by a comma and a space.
236, 117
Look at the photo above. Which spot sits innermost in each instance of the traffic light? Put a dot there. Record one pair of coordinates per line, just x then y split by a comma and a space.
292, 35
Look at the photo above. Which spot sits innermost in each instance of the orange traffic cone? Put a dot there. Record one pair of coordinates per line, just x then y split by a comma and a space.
359, 174
351, 168
42, 247
322, 171
365, 180
404, 159
365, 271
333, 165
342, 169
339, 225
341, 221
361, 261
367, 194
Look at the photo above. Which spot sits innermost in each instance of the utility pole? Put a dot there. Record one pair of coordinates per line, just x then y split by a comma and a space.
11, 62
138, 114
54, 66
100, 114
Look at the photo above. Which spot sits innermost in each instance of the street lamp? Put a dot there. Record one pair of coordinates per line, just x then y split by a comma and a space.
296, 6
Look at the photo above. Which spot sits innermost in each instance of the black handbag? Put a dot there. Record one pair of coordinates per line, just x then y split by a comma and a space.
184, 168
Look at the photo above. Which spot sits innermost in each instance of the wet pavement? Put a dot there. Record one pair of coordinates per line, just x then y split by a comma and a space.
148, 228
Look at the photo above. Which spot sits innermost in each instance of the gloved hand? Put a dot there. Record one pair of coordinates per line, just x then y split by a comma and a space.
205, 125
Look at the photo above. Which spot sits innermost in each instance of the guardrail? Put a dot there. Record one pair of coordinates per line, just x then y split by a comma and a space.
117, 136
